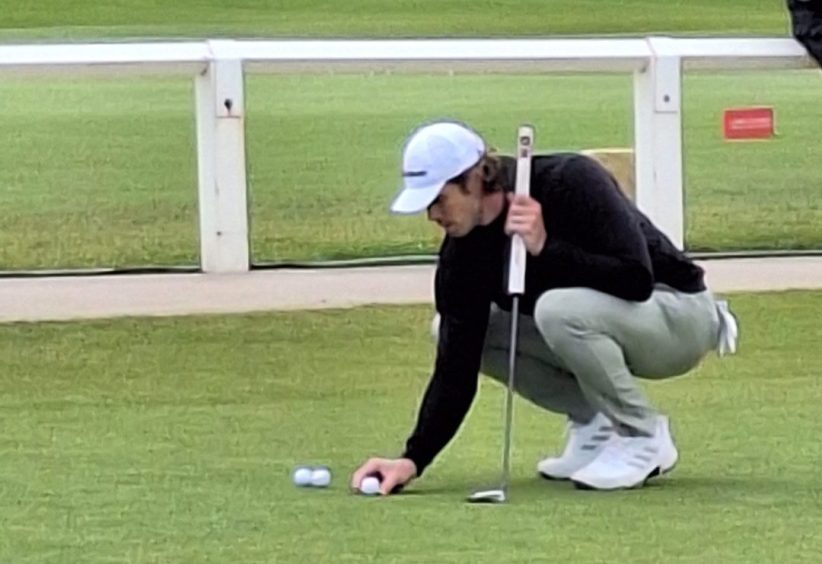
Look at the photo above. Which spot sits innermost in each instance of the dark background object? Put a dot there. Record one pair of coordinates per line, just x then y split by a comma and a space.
806, 19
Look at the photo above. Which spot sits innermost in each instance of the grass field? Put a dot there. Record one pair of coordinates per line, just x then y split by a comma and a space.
51, 19
172, 440
104, 172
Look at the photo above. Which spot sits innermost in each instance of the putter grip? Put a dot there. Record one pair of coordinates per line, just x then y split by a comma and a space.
516, 266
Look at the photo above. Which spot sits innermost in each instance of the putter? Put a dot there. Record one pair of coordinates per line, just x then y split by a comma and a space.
516, 287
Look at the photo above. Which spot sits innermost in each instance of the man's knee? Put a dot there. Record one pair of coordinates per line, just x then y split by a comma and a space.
557, 312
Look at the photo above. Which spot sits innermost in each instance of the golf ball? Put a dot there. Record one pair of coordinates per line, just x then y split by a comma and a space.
302, 476
370, 485
320, 477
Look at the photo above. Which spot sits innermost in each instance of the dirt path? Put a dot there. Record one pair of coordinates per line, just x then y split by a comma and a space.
61, 298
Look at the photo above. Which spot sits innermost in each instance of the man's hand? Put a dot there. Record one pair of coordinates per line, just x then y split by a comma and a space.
392, 473
525, 219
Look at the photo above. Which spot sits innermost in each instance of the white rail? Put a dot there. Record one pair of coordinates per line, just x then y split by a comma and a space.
463, 55
219, 66
106, 57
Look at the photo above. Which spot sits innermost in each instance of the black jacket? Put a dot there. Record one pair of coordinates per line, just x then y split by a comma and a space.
596, 238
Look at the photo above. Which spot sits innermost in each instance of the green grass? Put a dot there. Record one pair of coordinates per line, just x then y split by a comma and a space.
55, 19
98, 173
103, 172
172, 440
759, 195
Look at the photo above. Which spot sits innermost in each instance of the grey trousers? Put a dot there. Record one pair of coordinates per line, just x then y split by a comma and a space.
581, 351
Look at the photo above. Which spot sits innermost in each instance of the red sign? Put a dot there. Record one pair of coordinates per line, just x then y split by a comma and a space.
749, 123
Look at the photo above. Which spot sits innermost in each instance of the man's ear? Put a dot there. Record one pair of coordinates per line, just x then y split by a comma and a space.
487, 177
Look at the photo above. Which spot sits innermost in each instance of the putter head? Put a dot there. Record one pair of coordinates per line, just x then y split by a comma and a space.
488, 496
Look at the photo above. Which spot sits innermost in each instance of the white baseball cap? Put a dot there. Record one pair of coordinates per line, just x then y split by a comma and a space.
433, 155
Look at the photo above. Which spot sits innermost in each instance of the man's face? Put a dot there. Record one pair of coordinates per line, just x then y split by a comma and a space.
458, 209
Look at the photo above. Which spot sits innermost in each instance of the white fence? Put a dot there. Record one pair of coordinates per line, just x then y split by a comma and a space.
219, 66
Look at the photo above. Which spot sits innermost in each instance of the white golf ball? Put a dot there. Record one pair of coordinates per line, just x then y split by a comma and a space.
320, 477
370, 486
302, 476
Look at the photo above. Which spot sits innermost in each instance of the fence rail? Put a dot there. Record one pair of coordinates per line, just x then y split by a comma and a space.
219, 66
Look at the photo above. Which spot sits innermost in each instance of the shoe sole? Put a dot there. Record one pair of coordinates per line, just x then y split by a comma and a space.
659, 471
656, 472
552, 478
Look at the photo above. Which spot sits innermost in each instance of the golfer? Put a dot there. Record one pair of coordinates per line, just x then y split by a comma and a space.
608, 299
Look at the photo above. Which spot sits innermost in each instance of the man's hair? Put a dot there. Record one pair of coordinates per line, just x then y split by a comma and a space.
492, 177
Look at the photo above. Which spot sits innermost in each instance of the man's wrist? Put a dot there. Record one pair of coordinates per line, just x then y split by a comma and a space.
415, 462
540, 246
412, 466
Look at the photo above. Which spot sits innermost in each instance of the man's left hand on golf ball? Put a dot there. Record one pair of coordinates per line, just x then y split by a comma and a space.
394, 473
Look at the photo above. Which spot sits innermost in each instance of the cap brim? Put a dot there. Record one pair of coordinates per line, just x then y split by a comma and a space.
415, 200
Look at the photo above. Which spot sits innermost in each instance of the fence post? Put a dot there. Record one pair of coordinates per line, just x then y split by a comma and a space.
658, 140
223, 209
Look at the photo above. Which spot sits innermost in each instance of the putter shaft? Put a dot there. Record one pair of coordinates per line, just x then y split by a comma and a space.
509, 396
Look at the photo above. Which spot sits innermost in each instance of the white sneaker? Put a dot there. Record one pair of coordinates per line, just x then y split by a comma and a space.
628, 462
585, 442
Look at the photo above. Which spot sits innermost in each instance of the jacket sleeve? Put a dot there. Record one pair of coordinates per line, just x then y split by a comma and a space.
464, 311
612, 255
